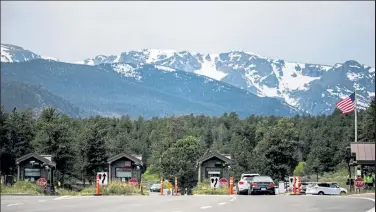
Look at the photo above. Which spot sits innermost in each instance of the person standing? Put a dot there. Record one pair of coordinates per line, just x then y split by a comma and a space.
370, 181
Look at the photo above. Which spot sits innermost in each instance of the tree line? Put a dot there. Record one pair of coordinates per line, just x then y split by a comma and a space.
170, 146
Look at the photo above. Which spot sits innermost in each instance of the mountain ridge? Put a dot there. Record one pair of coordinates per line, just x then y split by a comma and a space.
265, 77
119, 89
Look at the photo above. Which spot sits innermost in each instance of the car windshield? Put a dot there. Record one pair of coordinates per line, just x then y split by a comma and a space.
156, 186
262, 179
248, 178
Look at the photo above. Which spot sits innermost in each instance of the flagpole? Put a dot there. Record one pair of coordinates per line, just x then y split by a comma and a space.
356, 118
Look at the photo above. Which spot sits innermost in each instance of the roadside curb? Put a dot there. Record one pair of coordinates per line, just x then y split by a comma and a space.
24, 195
361, 194
212, 195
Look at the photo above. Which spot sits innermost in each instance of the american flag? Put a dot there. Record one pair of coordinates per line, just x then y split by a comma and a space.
347, 105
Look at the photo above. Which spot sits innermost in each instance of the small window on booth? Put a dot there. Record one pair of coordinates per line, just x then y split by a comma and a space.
218, 164
32, 174
123, 174
214, 174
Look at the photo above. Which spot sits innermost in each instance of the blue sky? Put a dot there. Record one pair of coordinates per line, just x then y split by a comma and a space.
310, 32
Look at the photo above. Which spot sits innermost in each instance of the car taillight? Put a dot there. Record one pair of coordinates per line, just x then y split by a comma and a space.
241, 182
271, 185
254, 184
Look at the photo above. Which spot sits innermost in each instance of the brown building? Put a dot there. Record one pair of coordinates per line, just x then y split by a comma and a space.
123, 167
364, 156
213, 164
32, 166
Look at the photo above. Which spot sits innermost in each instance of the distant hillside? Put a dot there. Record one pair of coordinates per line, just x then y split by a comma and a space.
122, 89
24, 96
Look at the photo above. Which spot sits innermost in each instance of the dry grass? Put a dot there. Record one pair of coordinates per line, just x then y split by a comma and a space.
22, 187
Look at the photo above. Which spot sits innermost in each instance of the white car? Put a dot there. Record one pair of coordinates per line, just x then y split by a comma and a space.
243, 184
325, 189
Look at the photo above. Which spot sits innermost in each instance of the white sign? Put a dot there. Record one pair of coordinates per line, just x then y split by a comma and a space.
281, 188
103, 178
214, 182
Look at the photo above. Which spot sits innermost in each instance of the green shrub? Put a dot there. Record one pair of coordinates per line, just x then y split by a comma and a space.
22, 187
339, 176
204, 188
90, 190
148, 176
114, 188
66, 192
300, 169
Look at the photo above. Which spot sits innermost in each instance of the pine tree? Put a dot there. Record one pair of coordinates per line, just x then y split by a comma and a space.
18, 129
180, 160
55, 137
94, 150
367, 125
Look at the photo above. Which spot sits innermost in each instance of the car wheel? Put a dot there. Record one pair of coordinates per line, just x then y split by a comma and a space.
342, 193
321, 193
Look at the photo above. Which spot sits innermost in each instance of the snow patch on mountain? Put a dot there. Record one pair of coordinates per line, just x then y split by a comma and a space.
49, 58
5, 56
208, 68
292, 79
12, 53
126, 70
164, 68
352, 76
154, 55
270, 92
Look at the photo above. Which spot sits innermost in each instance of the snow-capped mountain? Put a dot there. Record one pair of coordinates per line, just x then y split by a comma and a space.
312, 88
11, 53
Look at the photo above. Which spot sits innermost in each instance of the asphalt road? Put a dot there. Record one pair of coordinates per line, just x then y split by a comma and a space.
185, 204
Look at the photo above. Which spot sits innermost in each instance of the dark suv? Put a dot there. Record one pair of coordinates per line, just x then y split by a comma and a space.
262, 185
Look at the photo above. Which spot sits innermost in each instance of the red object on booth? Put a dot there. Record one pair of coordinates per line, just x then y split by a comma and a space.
223, 181
42, 182
359, 182
133, 181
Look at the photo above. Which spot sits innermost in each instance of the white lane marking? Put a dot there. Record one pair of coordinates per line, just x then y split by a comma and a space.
77, 197
71, 197
353, 197
205, 207
222, 203
43, 200
59, 198
233, 199
176, 211
10, 205
373, 200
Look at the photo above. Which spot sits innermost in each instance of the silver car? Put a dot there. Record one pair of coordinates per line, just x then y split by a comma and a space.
243, 185
325, 189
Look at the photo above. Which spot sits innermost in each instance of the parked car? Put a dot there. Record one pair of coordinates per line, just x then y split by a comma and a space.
155, 188
325, 189
243, 184
262, 185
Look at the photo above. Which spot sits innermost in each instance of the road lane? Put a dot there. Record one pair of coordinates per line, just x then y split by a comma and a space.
186, 204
